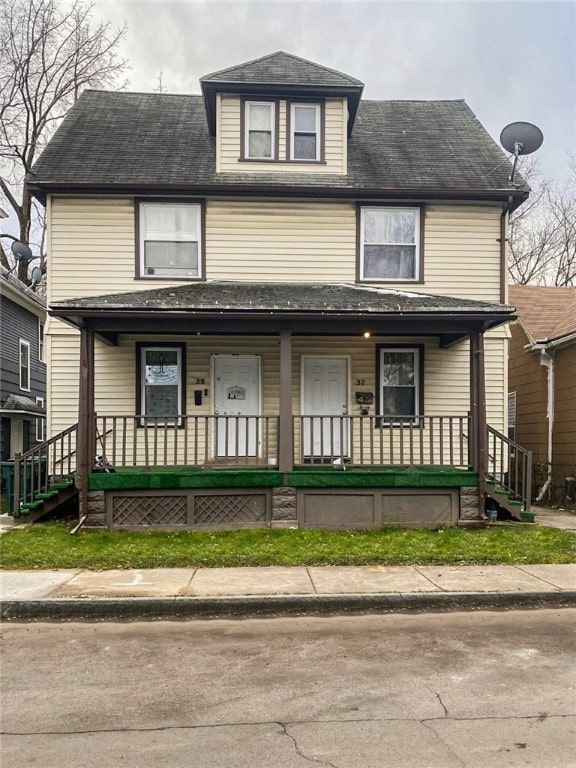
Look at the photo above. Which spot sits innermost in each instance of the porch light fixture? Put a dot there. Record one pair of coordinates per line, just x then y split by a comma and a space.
367, 334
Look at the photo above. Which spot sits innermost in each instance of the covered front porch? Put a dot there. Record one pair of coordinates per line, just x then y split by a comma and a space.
322, 452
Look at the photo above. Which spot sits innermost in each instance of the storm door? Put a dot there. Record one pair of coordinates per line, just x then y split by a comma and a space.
324, 407
237, 402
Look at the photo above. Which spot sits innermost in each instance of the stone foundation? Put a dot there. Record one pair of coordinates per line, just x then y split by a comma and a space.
96, 510
469, 503
284, 513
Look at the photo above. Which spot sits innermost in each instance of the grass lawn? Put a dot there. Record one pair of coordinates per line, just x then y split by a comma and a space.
49, 545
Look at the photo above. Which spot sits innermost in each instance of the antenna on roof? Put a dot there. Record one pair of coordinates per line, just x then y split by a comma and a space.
520, 139
161, 87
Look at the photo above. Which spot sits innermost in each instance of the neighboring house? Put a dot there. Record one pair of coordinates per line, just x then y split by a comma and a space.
267, 284
22, 366
542, 378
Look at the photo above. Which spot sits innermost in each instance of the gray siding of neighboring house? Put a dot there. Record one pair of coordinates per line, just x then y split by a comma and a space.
18, 323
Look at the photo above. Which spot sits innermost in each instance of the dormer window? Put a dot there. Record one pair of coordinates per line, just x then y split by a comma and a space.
305, 122
259, 130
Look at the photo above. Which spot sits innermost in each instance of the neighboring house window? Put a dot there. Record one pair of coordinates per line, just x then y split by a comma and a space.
161, 391
512, 416
25, 365
40, 423
390, 243
40, 340
400, 382
259, 130
170, 240
305, 132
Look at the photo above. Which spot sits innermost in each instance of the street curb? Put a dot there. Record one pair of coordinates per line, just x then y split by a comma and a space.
55, 609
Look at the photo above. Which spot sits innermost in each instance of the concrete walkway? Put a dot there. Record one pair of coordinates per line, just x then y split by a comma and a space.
256, 591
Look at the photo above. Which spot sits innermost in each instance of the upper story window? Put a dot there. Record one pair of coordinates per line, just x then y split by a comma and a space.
305, 132
390, 243
259, 130
24, 367
170, 240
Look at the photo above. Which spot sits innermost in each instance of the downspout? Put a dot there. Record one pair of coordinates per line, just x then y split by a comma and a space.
547, 360
504, 218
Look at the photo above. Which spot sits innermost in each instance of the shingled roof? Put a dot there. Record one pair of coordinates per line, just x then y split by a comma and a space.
224, 296
282, 68
126, 141
546, 313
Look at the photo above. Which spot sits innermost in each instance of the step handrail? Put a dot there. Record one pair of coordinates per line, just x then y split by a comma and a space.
49, 462
510, 465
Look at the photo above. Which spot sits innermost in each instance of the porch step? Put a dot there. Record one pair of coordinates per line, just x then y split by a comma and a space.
504, 499
44, 503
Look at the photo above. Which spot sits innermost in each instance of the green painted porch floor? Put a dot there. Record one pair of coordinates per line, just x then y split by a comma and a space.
300, 477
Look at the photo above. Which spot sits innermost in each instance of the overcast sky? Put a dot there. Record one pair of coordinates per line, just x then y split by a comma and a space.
509, 60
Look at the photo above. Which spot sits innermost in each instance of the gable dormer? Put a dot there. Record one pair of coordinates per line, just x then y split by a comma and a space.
281, 113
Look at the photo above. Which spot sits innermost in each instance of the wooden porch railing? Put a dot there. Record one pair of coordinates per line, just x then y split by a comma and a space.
35, 471
510, 466
381, 441
362, 441
174, 441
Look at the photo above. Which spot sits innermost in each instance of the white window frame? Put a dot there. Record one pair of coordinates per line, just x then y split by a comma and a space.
417, 245
21, 346
417, 387
40, 340
157, 421
177, 272
272, 106
40, 423
317, 132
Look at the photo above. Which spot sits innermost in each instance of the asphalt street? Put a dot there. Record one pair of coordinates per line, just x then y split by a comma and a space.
478, 689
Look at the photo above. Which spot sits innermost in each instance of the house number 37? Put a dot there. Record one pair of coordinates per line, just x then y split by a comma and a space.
360, 382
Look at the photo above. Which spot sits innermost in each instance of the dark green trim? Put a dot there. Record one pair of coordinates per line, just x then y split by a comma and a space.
309, 477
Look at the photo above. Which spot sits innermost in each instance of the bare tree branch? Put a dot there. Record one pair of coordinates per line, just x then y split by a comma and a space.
543, 234
48, 55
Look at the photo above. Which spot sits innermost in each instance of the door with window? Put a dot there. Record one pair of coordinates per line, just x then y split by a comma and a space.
237, 402
324, 407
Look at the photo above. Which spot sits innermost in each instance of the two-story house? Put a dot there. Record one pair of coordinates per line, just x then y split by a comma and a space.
288, 303
22, 366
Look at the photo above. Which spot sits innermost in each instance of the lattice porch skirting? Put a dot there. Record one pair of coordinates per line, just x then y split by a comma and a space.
189, 508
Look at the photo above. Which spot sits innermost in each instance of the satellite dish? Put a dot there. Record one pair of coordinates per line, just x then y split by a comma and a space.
36, 277
21, 251
521, 139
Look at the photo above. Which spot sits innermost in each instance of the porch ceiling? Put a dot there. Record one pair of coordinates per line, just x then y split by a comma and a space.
261, 308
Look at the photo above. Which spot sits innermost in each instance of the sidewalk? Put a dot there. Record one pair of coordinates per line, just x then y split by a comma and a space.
183, 592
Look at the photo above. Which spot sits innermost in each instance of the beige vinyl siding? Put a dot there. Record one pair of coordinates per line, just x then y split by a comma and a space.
270, 241
228, 150
446, 383
92, 246
461, 252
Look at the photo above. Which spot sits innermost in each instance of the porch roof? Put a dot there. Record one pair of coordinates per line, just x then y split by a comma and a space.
268, 307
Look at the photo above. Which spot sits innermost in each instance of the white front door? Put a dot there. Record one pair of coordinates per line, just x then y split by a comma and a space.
325, 394
236, 394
